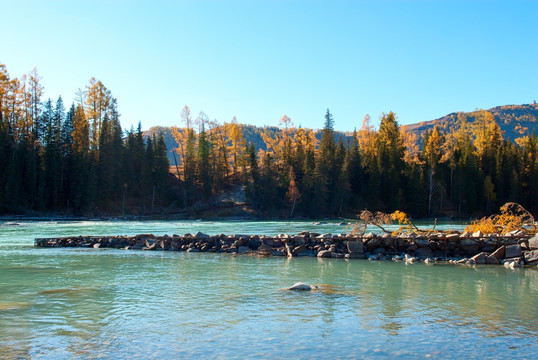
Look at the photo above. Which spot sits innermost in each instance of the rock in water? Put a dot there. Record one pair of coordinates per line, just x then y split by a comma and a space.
324, 254
480, 258
531, 257
302, 287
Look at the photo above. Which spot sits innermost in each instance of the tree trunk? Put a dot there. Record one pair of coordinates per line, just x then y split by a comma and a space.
153, 200
430, 195
124, 191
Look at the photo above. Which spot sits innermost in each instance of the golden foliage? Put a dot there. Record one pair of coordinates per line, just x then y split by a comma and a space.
412, 148
366, 218
379, 219
512, 217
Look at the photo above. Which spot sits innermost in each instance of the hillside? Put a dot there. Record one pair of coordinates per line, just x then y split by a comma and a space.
251, 133
508, 117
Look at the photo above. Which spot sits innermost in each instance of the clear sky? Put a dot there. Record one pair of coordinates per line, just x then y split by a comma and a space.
260, 60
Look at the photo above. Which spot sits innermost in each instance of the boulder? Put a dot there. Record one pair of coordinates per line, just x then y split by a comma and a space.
499, 253
492, 259
324, 254
299, 249
513, 251
531, 257
253, 243
480, 258
477, 234
302, 287
242, 249
201, 235
374, 242
265, 247
238, 242
533, 242
355, 246
511, 264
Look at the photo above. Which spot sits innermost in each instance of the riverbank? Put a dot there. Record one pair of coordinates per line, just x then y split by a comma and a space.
513, 249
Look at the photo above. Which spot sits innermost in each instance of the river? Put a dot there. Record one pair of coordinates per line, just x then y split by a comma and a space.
103, 303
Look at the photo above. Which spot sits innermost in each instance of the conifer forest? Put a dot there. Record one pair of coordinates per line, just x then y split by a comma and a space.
75, 159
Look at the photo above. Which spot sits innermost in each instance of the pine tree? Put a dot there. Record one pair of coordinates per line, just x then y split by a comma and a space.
202, 161
390, 165
325, 166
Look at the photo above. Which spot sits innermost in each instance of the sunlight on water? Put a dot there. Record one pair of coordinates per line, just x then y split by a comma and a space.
104, 303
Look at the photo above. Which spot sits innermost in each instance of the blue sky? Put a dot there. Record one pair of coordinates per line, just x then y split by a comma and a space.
260, 60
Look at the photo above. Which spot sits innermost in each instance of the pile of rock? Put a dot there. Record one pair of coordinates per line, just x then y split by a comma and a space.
514, 249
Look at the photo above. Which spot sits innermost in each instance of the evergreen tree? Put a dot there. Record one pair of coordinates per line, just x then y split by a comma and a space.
390, 164
325, 166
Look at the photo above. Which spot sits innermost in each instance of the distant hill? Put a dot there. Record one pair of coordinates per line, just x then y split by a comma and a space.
251, 133
507, 116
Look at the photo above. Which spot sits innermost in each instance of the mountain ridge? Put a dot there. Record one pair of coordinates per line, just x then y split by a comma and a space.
507, 116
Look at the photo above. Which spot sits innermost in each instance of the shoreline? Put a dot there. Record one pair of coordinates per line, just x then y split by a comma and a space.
315, 221
511, 250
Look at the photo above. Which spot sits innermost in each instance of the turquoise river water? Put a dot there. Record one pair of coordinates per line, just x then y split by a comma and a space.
120, 304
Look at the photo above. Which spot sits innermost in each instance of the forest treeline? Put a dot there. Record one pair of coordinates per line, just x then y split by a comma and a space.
80, 161
468, 170
74, 161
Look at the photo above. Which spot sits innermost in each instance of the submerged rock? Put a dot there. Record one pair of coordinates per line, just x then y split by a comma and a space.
302, 287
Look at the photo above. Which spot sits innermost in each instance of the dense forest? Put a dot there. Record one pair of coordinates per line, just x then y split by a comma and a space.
76, 161
80, 162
